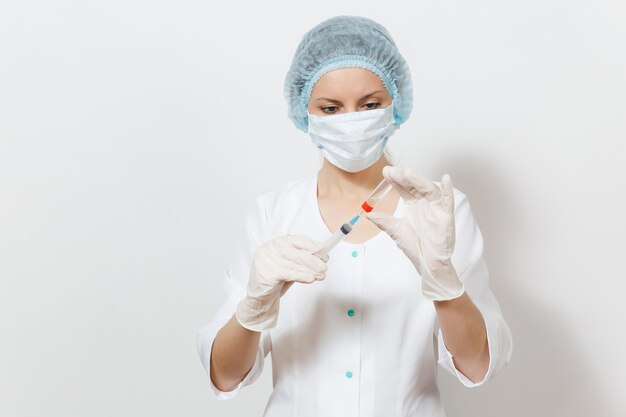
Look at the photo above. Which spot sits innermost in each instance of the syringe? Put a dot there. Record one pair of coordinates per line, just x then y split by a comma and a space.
330, 243
368, 205
336, 237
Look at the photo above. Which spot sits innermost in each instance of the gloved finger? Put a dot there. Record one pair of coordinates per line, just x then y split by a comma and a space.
306, 260
304, 242
447, 194
286, 286
412, 182
286, 264
323, 257
385, 222
304, 277
290, 254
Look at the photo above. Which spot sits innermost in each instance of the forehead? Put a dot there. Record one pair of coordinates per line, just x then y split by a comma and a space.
347, 82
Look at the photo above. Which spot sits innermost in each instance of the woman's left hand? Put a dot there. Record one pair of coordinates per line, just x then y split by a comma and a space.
427, 233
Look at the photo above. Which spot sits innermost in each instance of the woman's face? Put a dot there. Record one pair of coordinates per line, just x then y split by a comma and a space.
347, 90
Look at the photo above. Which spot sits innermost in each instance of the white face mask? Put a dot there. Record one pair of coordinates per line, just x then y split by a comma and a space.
352, 141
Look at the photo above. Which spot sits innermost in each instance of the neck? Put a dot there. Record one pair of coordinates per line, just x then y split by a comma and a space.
335, 182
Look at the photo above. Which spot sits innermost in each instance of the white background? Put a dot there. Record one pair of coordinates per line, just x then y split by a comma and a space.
134, 135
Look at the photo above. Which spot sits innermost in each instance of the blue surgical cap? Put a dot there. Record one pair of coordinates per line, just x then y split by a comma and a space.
342, 42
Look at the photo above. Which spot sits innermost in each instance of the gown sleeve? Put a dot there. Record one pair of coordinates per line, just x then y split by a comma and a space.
473, 273
232, 289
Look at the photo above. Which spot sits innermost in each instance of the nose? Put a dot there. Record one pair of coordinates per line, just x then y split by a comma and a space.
349, 108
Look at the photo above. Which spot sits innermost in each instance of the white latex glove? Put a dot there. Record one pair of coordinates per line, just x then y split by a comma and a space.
427, 233
276, 265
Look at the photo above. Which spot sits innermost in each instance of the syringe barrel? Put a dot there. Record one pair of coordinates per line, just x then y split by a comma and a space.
336, 237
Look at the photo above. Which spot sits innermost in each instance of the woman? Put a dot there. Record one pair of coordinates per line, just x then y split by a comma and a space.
362, 330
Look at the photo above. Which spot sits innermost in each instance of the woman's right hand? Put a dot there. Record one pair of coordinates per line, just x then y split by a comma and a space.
276, 265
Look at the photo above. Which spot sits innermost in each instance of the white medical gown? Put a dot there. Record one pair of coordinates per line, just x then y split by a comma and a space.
364, 341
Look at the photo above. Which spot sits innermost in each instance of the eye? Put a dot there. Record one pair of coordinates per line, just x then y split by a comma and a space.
371, 105
330, 109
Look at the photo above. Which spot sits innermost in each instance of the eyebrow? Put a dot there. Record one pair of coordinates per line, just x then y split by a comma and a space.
362, 98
